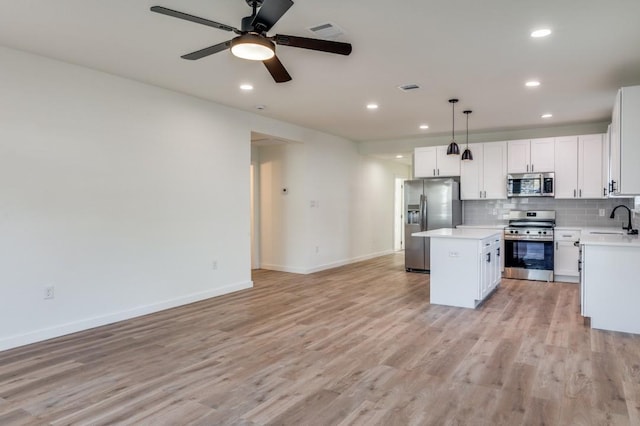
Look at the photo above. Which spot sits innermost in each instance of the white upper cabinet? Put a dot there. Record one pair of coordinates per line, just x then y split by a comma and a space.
591, 181
543, 155
519, 156
433, 161
448, 165
471, 174
625, 149
579, 167
566, 175
424, 162
534, 155
606, 171
485, 176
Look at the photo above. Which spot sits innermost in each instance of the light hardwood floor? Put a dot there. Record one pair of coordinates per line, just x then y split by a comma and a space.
354, 345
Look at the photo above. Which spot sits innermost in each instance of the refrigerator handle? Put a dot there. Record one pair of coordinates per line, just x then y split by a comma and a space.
423, 212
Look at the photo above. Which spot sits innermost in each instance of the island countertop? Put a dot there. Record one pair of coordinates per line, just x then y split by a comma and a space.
460, 233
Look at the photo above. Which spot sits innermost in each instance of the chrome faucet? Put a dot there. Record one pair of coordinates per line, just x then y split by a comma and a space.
629, 227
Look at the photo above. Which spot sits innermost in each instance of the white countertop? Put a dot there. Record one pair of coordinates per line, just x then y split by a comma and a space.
462, 233
618, 240
588, 229
494, 226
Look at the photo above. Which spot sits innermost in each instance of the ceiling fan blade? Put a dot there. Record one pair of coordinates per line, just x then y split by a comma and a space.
207, 51
313, 44
196, 19
270, 12
277, 70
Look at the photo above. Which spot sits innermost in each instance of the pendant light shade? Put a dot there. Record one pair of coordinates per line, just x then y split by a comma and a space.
466, 155
453, 148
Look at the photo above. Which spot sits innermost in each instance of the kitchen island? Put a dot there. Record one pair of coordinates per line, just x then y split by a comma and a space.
465, 265
610, 288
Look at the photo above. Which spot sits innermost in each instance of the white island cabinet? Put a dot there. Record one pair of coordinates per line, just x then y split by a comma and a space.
465, 265
610, 289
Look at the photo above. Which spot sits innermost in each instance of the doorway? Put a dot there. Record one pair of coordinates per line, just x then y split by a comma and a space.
255, 234
398, 216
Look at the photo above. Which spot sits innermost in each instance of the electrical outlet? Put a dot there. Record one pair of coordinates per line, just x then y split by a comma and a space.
454, 254
214, 265
49, 292
601, 212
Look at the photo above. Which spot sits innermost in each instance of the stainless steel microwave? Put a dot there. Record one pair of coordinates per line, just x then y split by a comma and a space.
530, 185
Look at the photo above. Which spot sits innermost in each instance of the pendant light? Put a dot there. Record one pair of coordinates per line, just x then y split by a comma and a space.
453, 148
466, 155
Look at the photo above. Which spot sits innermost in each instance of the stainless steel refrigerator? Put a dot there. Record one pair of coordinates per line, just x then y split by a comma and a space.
428, 204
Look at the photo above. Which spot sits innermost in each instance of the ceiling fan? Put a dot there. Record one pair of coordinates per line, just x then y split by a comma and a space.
252, 41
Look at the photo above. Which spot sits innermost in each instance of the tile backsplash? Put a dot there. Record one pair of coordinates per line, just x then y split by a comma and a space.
568, 212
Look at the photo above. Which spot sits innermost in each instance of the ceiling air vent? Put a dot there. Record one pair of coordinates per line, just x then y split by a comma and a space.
326, 30
408, 87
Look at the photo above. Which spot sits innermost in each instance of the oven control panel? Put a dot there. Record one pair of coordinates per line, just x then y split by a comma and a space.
528, 234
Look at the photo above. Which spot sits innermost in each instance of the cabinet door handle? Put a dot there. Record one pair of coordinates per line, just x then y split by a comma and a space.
480, 194
527, 167
574, 193
438, 172
613, 186
556, 245
498, 252
580, 193
485, 194
604, 192
434, 172
489, 257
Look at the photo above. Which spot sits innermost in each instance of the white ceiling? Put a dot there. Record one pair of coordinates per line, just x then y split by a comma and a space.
479, 51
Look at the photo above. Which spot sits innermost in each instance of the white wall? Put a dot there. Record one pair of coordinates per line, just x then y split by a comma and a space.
121, 195
338, 207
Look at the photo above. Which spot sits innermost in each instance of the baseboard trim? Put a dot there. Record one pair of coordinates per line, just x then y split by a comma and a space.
86, 324
325, 266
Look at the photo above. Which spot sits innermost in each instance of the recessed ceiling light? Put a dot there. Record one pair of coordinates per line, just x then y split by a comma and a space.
261, 107
546, 115
399, 156
532, 83
543, 32
246, 86
372, 106
424, 126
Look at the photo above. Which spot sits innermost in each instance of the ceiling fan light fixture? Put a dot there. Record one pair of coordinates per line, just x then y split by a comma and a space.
252, 47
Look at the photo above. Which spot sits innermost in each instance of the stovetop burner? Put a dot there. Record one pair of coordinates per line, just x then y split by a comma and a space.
530, 225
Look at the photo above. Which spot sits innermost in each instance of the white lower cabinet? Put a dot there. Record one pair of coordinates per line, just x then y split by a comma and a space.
490, 267
467, 271
609, 287
566, 255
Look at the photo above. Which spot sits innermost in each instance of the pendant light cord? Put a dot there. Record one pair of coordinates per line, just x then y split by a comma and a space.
467, 114
453, 122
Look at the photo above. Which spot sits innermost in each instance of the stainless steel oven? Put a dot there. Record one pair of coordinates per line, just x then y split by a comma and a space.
528, 245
